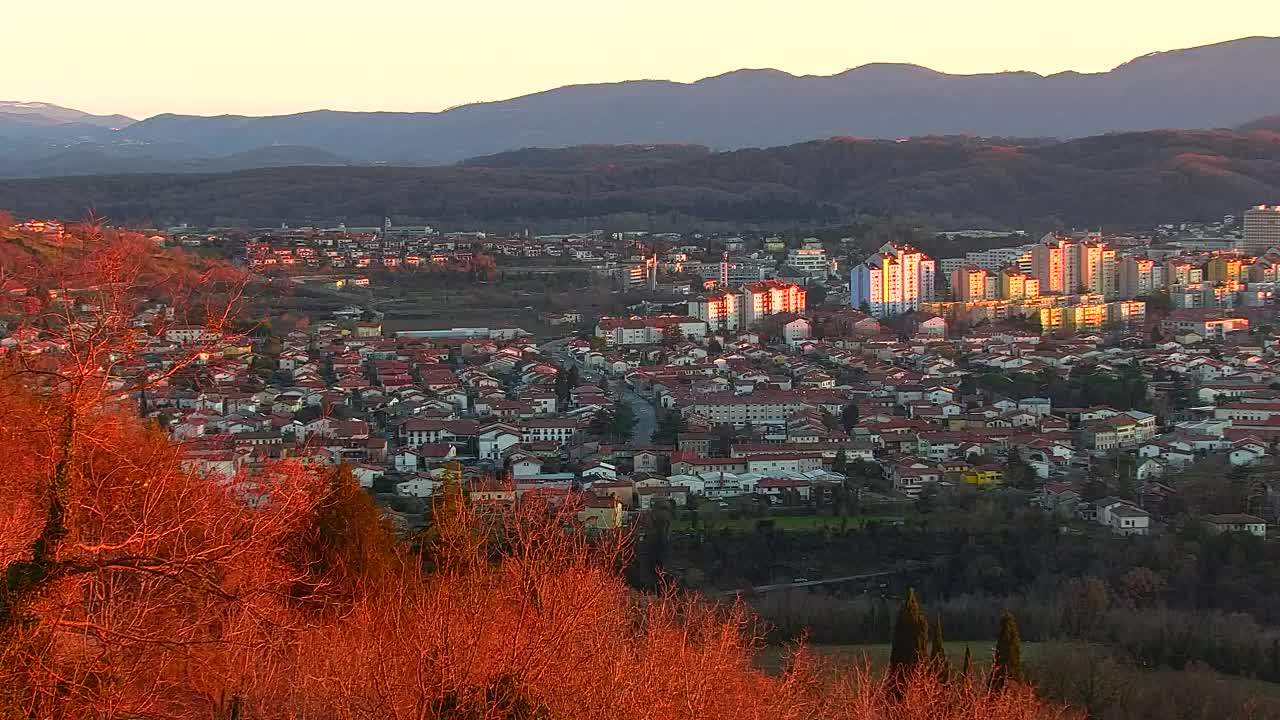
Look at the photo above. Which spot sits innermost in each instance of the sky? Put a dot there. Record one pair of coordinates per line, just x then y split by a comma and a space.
259, 57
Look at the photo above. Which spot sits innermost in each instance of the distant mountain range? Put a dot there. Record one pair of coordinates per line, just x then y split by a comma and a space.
1215, 86
1137, 179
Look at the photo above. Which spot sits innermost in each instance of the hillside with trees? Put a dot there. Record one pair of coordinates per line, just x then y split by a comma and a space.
1139, 178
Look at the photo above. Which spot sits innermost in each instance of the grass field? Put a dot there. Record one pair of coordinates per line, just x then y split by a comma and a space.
877, 656
782, 522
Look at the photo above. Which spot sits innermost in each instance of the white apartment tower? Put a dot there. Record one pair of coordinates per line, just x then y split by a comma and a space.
1096, 268
893, 281
1137, 277
1054, 262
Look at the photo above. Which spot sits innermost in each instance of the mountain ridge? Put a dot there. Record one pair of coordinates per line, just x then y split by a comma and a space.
1119, 179
1180, 89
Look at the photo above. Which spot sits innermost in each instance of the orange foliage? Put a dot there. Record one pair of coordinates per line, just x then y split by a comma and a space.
175, 604
134, 588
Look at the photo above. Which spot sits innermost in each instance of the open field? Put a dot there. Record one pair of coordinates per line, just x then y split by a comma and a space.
876, 657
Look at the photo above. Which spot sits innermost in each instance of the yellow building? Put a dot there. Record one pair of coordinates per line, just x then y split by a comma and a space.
1013, 285
1052, 318
1032, 288
1089, 317
984, 476
1079, 317
1225, 269
969, 284
601, 513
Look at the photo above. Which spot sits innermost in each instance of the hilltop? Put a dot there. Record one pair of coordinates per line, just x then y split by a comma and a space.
1116, 179
1191, 88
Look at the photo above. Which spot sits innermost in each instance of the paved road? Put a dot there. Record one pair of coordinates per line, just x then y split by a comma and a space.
646, 418
905, 568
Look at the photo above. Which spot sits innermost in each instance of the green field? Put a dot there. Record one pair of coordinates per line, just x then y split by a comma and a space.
781, 522
877, 656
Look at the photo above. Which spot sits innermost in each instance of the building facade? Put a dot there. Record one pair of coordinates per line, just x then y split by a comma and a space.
1261, 229
897, 279
969, 284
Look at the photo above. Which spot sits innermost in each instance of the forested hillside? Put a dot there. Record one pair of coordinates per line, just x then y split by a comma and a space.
1132, 178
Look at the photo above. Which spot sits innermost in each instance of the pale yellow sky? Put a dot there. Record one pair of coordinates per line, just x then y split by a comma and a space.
142, 57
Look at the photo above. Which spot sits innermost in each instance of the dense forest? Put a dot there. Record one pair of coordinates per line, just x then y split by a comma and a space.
1139, 178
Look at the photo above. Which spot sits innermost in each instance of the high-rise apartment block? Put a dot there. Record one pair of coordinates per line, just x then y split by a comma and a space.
1068, 266
1181, 272
720, 310
1096, 268
1054, 262
770, 297
1015, 285
1137, 277
731, 310
893, 281
1225, 269
969, 284
1261, 229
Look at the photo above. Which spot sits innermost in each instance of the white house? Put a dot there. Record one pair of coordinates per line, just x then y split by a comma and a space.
525, 466
366, 474
1129, 520
1148, 469
600, 471
1245, 456
1237, 523
493, 440
421, 487
797, 331
405, 460
1122, 516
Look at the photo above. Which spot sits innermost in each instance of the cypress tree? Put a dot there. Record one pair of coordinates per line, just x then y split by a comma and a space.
1006, 667
910, 641
938, 653
346, 551
450, 541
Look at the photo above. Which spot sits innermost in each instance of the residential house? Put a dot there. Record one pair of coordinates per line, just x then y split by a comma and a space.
1236, 522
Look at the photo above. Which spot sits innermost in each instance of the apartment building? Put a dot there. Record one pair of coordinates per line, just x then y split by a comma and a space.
719, 310
1137, 277
618, 332
811, 261
897, 279
1017, 285
1208, 323
770, 297
1054, 262
1096, 268
1229, 269
1261, 229
969, 284
758, 408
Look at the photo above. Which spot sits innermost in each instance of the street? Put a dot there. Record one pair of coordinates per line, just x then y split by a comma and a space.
646, 417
